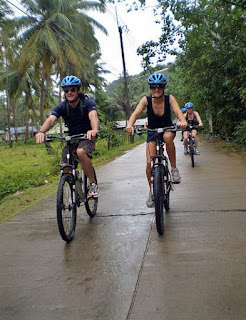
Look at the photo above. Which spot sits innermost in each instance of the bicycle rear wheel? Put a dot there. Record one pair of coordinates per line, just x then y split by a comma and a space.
90, 203
66, 208
192, 152
158, 198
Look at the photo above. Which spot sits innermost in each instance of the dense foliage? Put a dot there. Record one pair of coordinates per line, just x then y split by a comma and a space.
209, 40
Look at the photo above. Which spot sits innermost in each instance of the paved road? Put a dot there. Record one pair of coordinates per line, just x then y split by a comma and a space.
117, 267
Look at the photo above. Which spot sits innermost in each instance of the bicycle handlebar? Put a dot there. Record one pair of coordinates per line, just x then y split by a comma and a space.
81, 136
155, 130
194, 127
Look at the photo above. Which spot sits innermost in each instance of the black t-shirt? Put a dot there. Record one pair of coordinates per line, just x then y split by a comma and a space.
76, 119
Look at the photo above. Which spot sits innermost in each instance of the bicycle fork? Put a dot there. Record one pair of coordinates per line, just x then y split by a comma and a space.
156, 160
69, 170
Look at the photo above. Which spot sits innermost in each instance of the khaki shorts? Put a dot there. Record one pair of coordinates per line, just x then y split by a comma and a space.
87, 145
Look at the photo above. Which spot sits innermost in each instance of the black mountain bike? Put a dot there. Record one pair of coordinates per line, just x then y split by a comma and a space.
72, 191
160, 176
191, 143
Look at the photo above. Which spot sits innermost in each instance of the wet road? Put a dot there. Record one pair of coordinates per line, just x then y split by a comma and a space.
117, 267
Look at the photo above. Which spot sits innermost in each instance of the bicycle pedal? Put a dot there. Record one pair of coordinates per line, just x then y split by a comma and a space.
91, 198
176, 182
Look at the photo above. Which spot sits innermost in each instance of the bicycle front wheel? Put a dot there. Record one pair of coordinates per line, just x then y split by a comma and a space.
158, 198
90, 203
192, 152
66, 208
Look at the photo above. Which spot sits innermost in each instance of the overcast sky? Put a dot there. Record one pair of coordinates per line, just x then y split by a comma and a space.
141, 28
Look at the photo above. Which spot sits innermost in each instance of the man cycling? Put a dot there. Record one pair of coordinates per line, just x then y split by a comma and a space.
80, 116
192, 118
159, 116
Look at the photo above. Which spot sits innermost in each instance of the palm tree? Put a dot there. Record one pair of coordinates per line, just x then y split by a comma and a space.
7, 53
57, 34
23, 83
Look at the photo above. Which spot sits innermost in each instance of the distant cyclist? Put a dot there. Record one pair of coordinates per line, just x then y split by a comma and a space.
182, 132
80, 116
158, 108
192, 118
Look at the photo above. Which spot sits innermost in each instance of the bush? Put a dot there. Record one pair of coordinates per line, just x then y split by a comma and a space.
113, 138
240, 133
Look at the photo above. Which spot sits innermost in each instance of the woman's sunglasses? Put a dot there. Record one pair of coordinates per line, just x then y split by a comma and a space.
71, 90
153, 86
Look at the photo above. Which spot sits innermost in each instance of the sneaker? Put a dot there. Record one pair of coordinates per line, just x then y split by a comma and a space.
186, 151
92, 192
175, 175
150, 201
196, 151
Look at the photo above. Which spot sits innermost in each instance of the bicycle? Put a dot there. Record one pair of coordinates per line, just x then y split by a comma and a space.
72, 191
191, 143
161, 180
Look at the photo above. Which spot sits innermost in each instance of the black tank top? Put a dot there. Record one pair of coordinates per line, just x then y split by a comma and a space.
192, 122
155, 121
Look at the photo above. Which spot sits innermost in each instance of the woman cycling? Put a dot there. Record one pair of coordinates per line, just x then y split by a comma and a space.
158, 108
192, 117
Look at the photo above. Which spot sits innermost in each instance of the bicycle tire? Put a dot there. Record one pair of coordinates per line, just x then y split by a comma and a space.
158, 198
91, 204
66, 208
192, 153
167, 189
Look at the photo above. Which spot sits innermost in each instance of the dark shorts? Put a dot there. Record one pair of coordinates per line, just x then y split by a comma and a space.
87, 145
151, 136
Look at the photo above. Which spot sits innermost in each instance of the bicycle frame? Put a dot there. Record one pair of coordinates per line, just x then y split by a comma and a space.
72, 191
191, 142
72, 163
161, 183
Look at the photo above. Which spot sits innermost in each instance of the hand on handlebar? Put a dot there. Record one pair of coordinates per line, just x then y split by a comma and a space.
182, 124
91, 134
40, 137
130, 129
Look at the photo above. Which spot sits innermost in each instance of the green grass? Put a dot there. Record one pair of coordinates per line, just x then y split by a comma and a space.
232, 148
29, 174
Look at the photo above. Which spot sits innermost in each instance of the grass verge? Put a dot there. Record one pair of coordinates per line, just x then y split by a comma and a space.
231, 148
21, 200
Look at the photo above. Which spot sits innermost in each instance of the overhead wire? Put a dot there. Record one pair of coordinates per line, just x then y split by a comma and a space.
53, 31
115, 17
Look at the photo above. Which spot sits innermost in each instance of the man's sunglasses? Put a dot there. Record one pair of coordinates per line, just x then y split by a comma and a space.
71, 90
153, 86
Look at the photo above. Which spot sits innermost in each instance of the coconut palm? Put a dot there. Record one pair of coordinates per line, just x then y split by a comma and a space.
57, 35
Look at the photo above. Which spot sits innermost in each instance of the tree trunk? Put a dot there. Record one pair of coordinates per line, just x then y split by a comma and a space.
14, 120
42, 101
7, 103
27, 119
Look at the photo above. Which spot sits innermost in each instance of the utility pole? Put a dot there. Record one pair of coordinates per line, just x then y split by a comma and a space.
127, 101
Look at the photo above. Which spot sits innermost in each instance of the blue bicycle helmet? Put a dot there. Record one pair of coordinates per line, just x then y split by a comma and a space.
157, 78
183, 109
189, 105
70, 81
